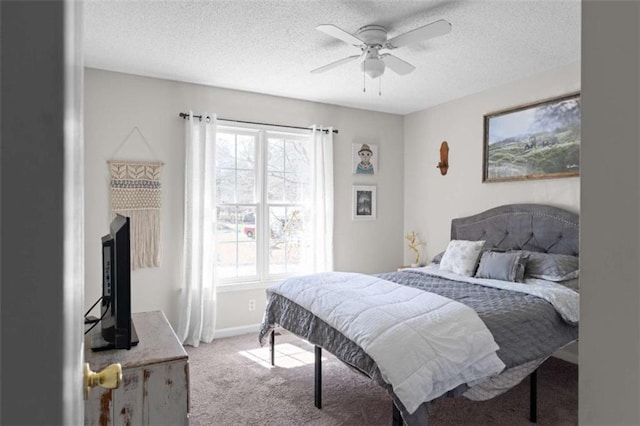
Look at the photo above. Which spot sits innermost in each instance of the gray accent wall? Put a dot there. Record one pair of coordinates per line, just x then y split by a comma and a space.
610, 213
31, 220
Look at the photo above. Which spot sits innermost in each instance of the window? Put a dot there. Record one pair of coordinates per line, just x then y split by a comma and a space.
263, 204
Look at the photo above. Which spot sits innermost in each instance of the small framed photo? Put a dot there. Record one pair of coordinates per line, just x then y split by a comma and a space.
365, 158
364, 202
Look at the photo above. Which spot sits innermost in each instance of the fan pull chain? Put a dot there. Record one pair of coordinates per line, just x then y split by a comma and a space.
380, 86
364, 87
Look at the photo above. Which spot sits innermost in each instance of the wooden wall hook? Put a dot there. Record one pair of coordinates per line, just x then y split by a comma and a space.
443, 165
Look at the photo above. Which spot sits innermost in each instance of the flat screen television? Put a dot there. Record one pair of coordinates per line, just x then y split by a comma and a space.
116, 328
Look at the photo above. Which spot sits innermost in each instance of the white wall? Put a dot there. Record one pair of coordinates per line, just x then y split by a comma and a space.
115, 103
432, 200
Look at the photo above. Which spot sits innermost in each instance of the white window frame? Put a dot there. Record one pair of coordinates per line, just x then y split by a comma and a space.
263, 278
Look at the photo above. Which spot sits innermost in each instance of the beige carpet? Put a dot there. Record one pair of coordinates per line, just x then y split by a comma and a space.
232, 384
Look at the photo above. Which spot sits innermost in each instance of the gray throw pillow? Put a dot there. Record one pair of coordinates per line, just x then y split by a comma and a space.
551, 266
502, 266
437, 258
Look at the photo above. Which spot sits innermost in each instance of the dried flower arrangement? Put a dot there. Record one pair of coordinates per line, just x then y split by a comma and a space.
414, 244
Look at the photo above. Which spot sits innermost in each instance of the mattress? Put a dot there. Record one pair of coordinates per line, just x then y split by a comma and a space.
527, 329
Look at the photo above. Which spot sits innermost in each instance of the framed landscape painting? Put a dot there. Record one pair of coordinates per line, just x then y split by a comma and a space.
536, 141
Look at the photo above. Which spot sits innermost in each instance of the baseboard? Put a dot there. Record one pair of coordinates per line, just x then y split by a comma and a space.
236, 331
566, 355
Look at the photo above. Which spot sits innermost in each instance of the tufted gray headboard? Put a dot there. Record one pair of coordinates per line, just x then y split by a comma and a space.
533, 227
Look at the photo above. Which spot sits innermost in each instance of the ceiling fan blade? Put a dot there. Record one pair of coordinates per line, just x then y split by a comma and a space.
428, 31
340, 34
397, 65
335, 64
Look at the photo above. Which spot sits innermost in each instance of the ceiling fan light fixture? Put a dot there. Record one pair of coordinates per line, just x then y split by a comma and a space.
373, 67
371, 39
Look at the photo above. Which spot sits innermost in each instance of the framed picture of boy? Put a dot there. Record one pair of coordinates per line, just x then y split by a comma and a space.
365, 158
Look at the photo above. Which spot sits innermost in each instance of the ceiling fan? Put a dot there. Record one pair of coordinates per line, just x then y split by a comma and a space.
372, 39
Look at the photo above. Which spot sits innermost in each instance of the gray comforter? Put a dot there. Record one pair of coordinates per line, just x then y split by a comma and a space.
525, 327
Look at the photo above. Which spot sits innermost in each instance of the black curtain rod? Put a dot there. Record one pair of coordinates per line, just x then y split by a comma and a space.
185, 115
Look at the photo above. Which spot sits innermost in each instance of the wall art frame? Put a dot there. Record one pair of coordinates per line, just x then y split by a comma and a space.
364, 158
364, 202
535, 141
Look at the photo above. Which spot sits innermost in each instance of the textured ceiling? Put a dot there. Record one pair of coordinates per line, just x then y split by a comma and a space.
270, 46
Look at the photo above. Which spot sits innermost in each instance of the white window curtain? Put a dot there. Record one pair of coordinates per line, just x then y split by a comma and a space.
198, 307
322, 189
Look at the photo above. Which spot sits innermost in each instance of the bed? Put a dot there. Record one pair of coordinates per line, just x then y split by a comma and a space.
497, 331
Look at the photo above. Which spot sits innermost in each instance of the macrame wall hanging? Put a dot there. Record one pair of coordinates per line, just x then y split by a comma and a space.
136, 193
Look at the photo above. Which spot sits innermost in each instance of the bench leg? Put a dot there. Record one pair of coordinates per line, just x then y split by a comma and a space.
318, 378
396, 416
273, 347
533, 397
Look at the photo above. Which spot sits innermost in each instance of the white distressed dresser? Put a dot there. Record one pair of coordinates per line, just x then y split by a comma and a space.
155, 378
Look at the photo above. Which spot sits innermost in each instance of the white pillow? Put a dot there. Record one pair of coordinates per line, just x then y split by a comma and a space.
461, 257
